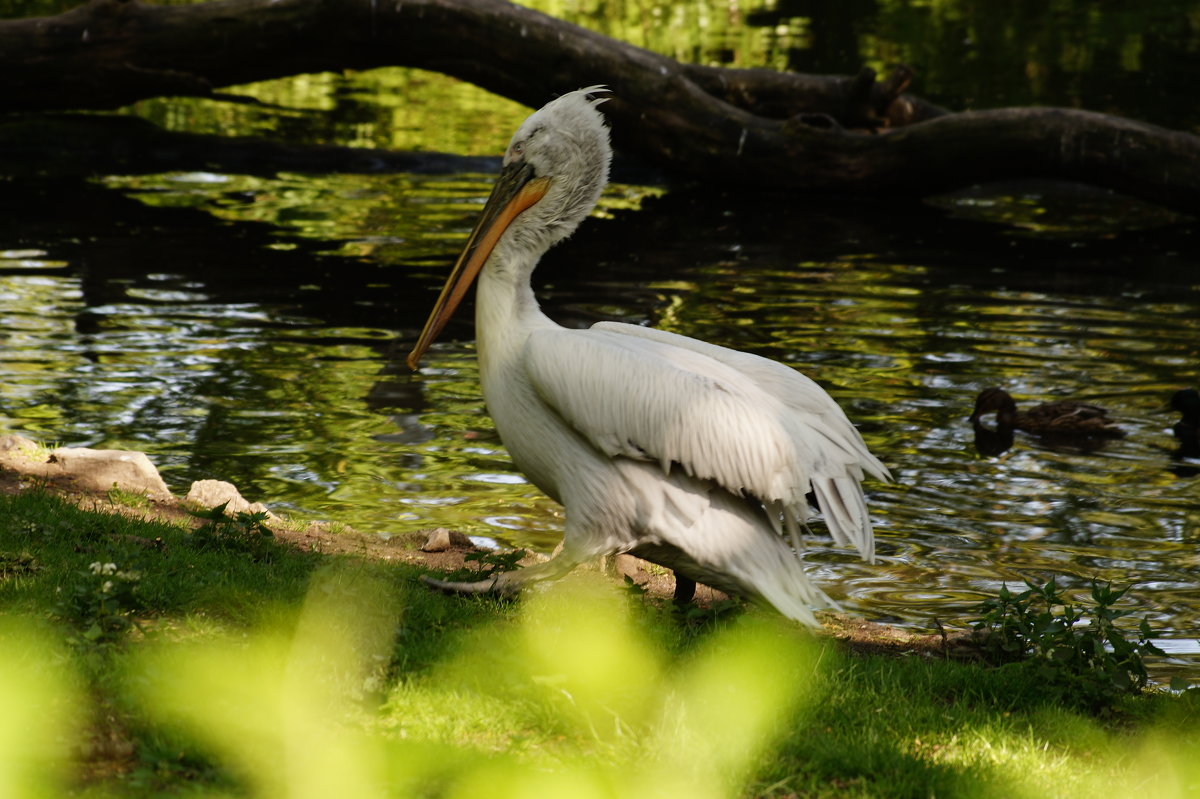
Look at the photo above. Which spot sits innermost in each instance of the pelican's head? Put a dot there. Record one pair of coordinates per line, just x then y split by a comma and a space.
564, 148
554, 170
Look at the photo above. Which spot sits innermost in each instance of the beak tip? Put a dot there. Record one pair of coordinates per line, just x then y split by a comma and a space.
413, 360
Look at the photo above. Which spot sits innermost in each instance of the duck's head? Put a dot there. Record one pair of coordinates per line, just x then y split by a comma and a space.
998, 400
1187, 402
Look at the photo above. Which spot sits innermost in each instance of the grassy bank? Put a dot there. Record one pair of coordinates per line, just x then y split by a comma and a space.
140, 659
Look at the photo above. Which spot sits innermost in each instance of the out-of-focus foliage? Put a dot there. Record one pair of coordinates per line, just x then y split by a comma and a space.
40, 712
293, 712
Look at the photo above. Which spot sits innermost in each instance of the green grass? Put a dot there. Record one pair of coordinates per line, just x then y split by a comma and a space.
119, 496
178, 577
247, 668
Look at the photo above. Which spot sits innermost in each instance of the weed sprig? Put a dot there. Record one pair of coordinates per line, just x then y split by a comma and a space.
1079, 651
246, 532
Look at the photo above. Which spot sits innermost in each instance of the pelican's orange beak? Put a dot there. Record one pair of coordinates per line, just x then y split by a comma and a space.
516, 189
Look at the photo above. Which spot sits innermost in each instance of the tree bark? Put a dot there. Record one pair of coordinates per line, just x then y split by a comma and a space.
754, 127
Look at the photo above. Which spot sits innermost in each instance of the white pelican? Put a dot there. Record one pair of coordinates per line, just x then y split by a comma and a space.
687, 454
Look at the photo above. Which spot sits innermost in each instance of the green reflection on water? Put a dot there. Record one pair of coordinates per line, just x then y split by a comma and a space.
379, 218
1047, 209
391, 108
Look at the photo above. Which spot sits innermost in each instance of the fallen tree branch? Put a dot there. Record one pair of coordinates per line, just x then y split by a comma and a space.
752, 127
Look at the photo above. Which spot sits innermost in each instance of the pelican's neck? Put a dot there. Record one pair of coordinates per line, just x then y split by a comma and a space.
506, 312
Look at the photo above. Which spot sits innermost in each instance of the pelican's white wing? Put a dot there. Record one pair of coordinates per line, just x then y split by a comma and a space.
795, 390
719, 420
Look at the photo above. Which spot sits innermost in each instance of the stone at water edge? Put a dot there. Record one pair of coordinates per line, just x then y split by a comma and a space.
101, 469
86, 469
211, 493
441, 539
14, 446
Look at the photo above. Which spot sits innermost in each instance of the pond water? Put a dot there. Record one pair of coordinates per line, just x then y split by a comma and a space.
252, 329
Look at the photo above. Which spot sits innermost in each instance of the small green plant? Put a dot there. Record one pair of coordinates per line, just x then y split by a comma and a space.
242, 531
119, 496
488, 563
630, 586
722, 610
1079, 652
690, 613
18, 564
100, 604
492, 563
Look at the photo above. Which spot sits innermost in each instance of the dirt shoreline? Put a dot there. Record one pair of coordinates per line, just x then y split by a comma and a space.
858, 635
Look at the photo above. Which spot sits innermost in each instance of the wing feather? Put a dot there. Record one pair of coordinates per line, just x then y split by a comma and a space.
798, 392
673, 406
749, 424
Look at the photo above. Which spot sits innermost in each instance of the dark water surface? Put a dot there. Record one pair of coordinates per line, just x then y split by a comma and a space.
252, 329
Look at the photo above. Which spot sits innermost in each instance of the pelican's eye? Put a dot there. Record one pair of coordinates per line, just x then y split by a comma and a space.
516, 152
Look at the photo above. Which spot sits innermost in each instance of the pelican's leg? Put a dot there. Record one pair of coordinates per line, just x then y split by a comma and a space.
508, 583
685, 589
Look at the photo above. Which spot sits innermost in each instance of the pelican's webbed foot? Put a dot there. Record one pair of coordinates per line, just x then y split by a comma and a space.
509, 583
495, 584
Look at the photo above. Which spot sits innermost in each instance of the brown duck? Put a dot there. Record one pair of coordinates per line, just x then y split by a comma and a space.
1065, 417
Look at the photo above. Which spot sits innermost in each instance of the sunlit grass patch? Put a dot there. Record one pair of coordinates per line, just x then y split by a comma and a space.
913, 728
1058, 753
176, 576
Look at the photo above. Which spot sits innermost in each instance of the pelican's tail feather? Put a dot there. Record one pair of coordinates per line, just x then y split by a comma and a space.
845, 509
